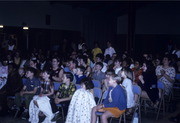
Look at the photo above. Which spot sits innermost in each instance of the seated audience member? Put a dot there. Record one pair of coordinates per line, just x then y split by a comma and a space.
44, 64
117, 65
31, 87
115, 103
17, 59
83, 62
82, 103
56, 71
100, 58
3, 81
14, 81
126, 63
42, 101
96, 50
149, 82
79, 74
126, 74
110, 50
107, 59
65, 92
166, 74
157, 62
109, 73
97, 73
137, 71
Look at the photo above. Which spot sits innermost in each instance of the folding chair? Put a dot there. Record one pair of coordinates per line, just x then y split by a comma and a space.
56, 86
97, 94
96, 83
176, 87
104, 95
137, 92
78, 86
161, 87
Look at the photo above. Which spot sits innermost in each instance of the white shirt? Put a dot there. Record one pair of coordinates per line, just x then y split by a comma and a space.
109, 51
127, 83
177, 53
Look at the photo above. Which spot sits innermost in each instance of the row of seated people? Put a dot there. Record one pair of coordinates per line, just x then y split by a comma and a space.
146, 78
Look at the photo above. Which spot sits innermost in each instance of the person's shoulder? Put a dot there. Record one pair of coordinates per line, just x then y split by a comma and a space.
159, 67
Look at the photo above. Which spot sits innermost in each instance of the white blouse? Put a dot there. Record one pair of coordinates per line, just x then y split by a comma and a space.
127, 83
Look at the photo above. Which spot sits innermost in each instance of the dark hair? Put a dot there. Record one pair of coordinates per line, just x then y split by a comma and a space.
82, 68
100, 64
168, 56
32, 70
100, 55
69, 75
34, 61
88, 83
47, 71
111, 71
128, 72
57, 58
84, 58
74, 61
149, 65
118, 59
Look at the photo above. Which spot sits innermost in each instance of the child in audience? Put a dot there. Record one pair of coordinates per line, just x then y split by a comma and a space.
126, 74
82, 103
42, 101
115, 103
97, 73
79, 74
65, 92
31, 87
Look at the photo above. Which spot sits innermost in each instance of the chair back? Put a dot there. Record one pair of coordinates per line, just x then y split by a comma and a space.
161, 85
137, 90
96, 83
177, 76
97, 94
56, 86
104, 95
78, 86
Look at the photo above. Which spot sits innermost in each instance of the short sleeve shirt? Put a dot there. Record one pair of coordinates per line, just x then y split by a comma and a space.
66, 92
31, 84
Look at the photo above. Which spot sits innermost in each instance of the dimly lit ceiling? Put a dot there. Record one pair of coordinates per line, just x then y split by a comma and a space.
115, 7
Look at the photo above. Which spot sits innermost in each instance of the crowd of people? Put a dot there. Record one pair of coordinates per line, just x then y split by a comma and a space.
30, 78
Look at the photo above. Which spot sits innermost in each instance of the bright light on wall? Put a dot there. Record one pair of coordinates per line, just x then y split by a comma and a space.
25, 28
1, 26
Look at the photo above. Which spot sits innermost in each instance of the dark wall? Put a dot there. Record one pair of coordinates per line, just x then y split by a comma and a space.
40, 38
155, 24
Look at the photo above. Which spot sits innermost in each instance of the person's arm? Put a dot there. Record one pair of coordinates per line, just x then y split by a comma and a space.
88, 72
57, 100
51, 91
141, 79
168, 78
105, 53
60, 76
31, 92
72, 90
115, 101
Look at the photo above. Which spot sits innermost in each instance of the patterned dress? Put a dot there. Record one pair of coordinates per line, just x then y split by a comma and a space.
170, 71
80, 107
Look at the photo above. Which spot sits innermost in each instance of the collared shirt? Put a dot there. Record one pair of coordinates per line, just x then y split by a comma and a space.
109, 51
66, 92
31, 84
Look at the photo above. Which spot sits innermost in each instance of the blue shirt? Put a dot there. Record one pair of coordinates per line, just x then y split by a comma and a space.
118, 96
31, 84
